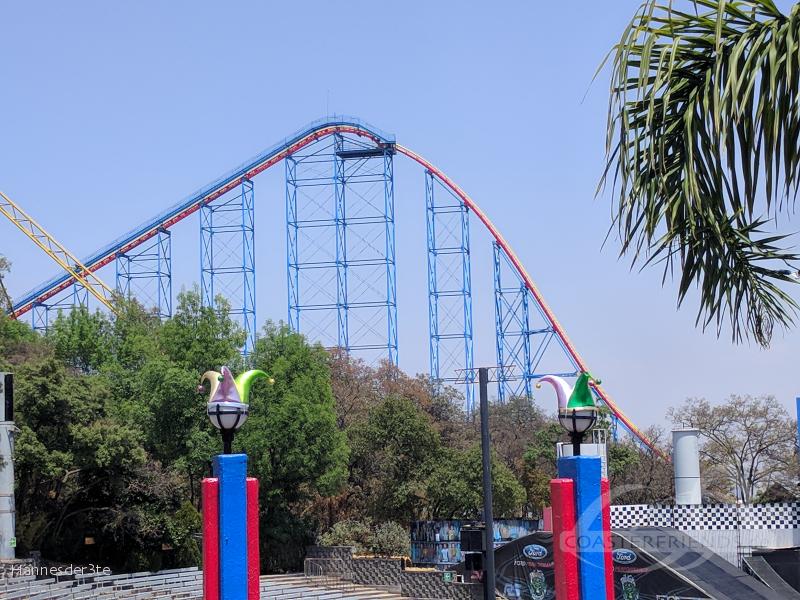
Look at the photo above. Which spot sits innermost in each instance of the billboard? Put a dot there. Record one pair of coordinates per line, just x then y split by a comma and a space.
524, 571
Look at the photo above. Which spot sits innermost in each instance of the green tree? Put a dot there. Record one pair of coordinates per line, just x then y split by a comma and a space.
391, 456
81, 338
73, 460
359, 387
135, 336
540, 465
383, 539
5, 299
114, 439
391, 539
154, 383
639, 475
199, 337
296, 449
454, 489
702, 148
514, 426
18, 342
355, 534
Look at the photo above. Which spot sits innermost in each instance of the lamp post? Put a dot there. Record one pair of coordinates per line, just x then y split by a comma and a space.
230, 499
581, 501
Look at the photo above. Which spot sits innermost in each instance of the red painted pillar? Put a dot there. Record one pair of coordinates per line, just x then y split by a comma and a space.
547, 518
605, 492
210, 497
565, 544
253, 558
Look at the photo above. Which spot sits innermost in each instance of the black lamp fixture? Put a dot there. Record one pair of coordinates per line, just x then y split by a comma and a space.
228, 417
576, 422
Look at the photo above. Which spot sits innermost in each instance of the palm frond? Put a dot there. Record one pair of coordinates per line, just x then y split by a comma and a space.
703, 153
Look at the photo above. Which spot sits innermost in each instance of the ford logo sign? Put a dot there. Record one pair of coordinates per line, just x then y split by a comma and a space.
624, 556
534, 551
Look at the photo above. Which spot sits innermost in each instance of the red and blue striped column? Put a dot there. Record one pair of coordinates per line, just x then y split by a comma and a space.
565, 555
581, 530
230, 531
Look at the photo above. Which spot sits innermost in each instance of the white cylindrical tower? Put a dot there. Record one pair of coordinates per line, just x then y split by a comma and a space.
7, 511
686, 461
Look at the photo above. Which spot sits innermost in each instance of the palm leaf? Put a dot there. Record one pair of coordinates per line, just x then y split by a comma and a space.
703, 154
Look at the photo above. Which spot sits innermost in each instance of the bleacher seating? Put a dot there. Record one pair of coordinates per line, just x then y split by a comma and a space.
177, 584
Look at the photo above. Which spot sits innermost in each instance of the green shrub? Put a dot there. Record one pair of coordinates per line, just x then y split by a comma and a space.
384, 539
357, 534
181, 528
390, 539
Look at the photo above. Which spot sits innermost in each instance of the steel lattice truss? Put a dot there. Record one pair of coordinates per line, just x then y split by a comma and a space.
527, 344
227, 257
340, 233
146, 274
340, 246
449, 288
75, 295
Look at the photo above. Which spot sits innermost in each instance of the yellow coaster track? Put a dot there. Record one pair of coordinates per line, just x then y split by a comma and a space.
63, 257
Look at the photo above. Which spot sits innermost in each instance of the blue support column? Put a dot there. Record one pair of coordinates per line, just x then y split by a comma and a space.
797, 416
449, 288
585, 472
525, 338
512, 334
39, 318
227, 257
525, 349
391, 257
340, 218
42, 314
231, 470
341, 265
146, 274
292, 231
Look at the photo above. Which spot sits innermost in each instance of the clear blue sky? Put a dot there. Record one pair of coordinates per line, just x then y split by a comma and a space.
109, 112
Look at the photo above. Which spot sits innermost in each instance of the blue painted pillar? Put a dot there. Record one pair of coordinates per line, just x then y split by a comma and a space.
797, 416
231, 470
585, 471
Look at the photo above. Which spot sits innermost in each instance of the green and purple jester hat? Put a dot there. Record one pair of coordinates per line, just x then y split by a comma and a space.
228, 397
224, 388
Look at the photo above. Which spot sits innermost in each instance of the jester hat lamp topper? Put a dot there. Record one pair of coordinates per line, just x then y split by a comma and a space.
227, 400
577, 411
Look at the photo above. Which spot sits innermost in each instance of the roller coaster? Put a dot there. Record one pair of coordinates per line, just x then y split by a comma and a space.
341, 266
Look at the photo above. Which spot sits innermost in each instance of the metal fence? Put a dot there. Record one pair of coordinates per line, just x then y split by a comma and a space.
329, 572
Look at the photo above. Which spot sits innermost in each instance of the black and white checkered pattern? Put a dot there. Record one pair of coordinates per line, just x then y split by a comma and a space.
663, 516
771, 516
631, 515
705, 517
708, 516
